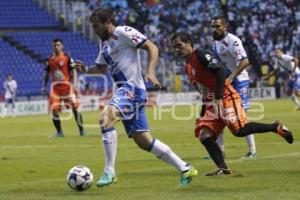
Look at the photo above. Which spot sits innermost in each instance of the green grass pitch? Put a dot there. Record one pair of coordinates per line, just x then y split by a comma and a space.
34, 166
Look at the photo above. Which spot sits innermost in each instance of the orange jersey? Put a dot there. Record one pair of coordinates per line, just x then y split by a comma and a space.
201, 69
59, 68
198, 73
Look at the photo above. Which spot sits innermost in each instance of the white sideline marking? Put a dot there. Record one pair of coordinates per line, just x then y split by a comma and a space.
265, 157
295, 154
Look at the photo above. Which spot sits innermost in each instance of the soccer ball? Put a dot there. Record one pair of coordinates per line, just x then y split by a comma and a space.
80, 178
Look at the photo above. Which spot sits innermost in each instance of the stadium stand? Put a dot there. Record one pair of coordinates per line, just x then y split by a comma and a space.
26, 71
23, 51
24, 14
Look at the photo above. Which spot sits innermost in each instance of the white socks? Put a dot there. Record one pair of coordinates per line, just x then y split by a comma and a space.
295, 100
109, 139
249, 138
163, 152
220, 141
251, 143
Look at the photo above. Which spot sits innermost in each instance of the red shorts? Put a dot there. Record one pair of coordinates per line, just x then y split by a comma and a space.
67, 98
233, 116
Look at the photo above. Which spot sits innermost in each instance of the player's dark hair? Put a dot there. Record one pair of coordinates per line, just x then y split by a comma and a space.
102, 15
57, 40
220, 17
183, 36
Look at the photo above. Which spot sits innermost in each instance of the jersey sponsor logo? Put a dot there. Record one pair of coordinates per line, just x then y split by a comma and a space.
235, 43
112, 44
129, 95
116, 99
114, 37
244, 91
58, 75
135, 38
225, 43
208, 57
127, 29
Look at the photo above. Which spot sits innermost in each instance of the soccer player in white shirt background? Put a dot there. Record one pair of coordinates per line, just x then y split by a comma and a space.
230, 51
10, 91
290, 64
118, 54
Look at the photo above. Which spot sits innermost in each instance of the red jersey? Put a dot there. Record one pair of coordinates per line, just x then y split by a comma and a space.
59, 68
201, 70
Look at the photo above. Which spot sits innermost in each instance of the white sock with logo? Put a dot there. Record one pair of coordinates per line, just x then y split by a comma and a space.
109, 140
251, 143
165, 153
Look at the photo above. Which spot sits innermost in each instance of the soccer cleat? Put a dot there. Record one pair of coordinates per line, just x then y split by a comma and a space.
186, 176
219, 172
59, 134
284, 132
250, 155
82, 133
106, 179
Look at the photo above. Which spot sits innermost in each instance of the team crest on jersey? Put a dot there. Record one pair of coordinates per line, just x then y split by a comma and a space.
61, 63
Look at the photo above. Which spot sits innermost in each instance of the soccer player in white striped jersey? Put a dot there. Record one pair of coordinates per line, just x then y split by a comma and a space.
289, 64
10, 90
230, 51
118, 54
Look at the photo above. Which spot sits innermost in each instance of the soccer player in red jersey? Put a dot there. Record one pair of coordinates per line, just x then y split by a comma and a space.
222, 107
60, 67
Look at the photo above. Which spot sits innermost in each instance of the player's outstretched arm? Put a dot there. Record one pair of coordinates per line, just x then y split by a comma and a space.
242, 65
44, 83
153, 57
296, 62
93, 69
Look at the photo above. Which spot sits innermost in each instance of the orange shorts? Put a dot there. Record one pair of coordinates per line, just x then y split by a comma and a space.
232, 115
68, 98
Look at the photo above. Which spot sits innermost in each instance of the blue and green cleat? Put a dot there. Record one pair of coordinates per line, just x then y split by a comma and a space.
250, 155
82, 133
59, 134
186, 176
106, 179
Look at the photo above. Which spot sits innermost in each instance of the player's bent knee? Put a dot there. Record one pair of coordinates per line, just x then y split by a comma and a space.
108, 117
204, 134
54, 113
242, 132
143, 140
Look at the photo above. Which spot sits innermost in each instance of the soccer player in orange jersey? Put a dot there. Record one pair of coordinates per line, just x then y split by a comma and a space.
60, 67
222, 107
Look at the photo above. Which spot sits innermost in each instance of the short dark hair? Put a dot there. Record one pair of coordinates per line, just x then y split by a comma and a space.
183, 36
220, 17
103, 15
57, 40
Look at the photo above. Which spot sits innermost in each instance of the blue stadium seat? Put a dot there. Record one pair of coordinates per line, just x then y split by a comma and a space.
24, 14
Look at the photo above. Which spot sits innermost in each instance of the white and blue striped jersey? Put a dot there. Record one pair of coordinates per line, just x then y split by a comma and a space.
120, 54
286, 63
10, 87
230, 51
